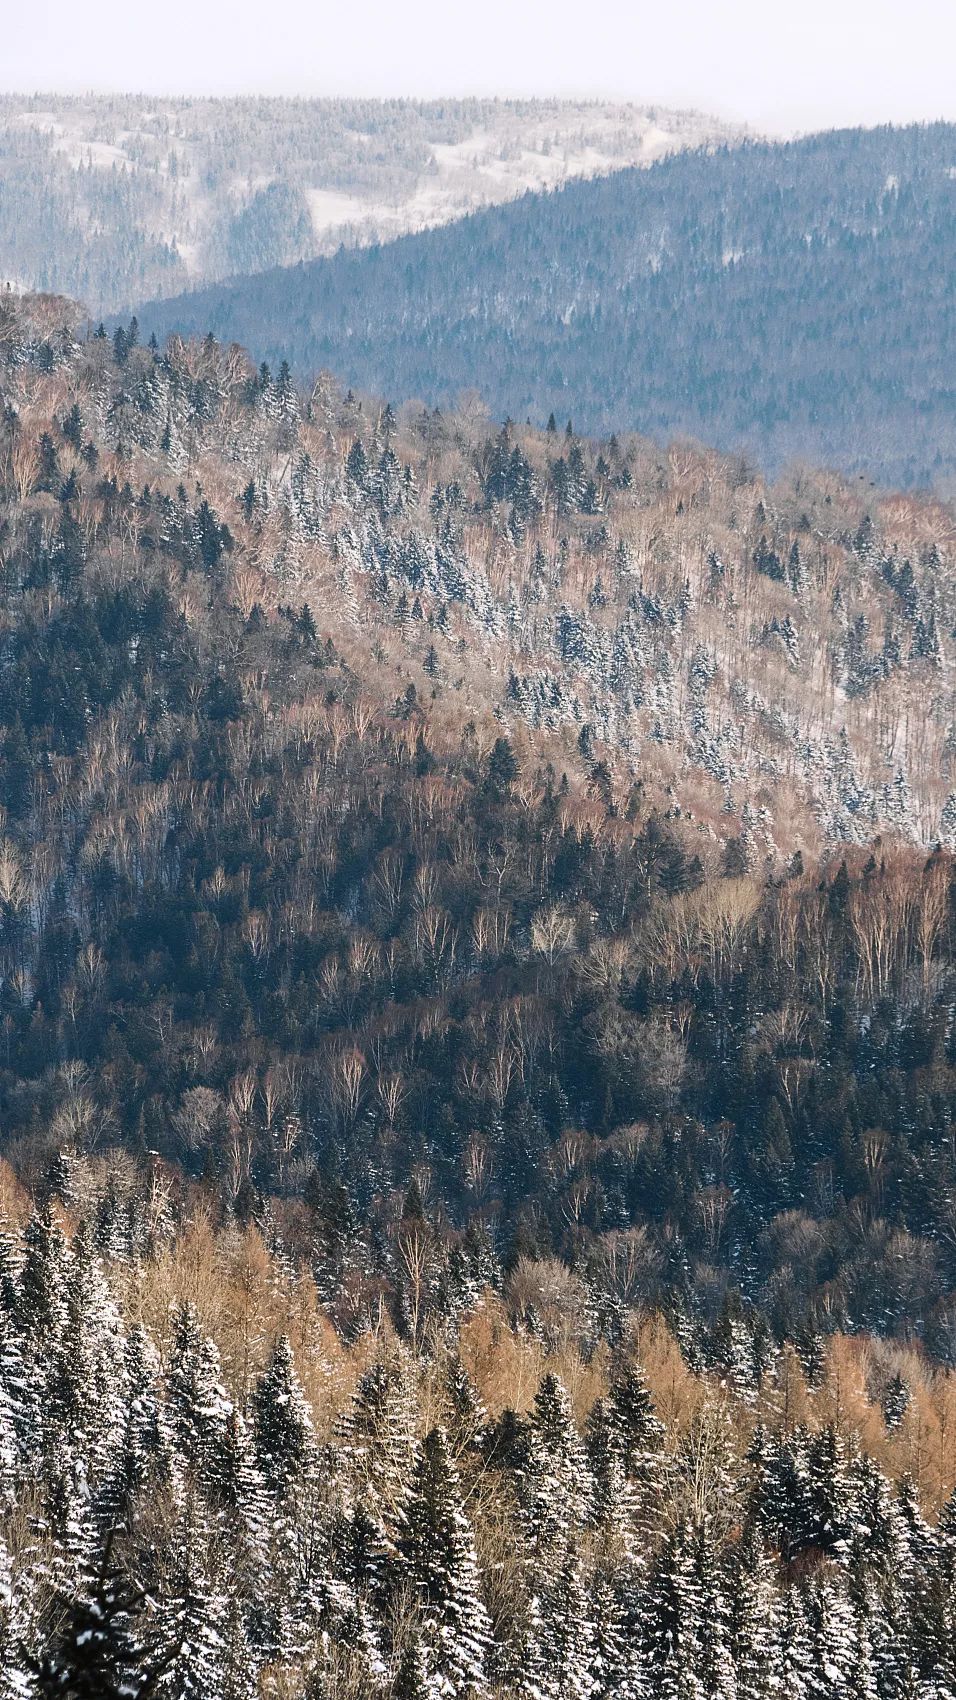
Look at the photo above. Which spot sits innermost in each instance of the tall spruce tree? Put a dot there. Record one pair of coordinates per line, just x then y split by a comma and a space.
96, 1651
439, 1561
674, 1627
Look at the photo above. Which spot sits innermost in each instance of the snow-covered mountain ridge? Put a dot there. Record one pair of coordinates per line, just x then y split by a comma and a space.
115, 198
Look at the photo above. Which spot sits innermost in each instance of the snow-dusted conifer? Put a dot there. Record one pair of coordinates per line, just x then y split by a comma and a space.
198, 1405
674, 1627
283, 1426
438, 1556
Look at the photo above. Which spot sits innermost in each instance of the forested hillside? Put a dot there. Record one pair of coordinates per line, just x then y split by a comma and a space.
794, 300
114, 198
315, 879
477, 1064
208, 1491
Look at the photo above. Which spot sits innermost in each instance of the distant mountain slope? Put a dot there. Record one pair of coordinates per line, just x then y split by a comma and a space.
181, 191
796, 299
777, 655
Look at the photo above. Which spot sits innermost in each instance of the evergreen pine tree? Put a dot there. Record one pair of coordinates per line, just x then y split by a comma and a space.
379, 1431
198, 1403
616, 1663
716, 1666
188, 1645
674, 1629
95, 1652
797, 1649
362, 1552
283, 1426
614, 1498
17, 1667
143, 1458
557, 1489
833, 1639
438, 1554
753, 1620
414, 1678
41, 1308
568, 1631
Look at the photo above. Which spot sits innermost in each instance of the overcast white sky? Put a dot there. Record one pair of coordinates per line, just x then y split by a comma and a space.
799, 64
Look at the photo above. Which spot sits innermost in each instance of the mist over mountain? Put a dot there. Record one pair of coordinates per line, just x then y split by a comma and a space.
794, 299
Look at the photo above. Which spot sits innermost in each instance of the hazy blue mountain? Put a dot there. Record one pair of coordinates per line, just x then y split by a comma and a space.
795, 300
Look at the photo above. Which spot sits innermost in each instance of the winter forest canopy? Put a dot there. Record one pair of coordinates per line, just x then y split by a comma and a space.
477, 1065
